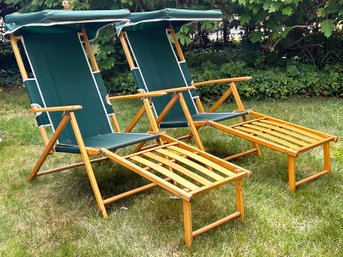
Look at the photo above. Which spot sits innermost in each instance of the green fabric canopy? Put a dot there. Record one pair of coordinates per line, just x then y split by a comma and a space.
166, 17
55, 21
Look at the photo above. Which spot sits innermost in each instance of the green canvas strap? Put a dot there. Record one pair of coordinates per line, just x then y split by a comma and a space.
36, 100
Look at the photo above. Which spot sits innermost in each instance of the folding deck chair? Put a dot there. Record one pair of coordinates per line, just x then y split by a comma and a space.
67, 93
157, 63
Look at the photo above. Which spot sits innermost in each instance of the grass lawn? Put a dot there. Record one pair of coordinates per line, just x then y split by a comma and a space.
56, 215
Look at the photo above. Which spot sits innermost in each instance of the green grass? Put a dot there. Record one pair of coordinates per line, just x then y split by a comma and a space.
56, 215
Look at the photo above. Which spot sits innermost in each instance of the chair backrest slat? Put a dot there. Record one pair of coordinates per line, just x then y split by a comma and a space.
63, 77
158, 68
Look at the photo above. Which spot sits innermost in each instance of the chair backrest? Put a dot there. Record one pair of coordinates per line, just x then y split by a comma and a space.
62, 76
158, 68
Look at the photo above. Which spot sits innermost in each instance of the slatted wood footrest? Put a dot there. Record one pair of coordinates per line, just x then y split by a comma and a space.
186, 172
284, 137
190, 172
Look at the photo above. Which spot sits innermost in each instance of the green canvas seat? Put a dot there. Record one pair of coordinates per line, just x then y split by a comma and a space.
157, 63
68, 95
109, 141
182, 121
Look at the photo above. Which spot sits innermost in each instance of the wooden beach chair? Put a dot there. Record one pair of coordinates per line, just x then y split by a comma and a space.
67, 93
157, 63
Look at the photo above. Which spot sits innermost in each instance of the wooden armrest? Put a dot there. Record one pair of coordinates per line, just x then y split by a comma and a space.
217, 81
140, 95
178, 89
35, 109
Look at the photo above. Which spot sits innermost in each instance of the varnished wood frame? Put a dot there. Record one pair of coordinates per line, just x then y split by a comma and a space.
69, 116
232, 90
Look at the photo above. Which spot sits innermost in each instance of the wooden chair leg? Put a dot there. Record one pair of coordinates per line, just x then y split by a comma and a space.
327, 165
190, 121
49, 146
239, 198
88, 166
291, 172
187, 219
95, 186
258, 150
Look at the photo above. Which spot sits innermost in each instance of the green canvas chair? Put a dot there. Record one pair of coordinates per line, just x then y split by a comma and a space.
67, 94
157, 63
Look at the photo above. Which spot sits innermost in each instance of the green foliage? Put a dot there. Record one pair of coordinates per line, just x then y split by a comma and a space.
292, 79
270, 22
9, 78
327, 27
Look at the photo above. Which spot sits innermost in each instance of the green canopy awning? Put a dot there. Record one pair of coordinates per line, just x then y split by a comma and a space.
55, 21
166, 17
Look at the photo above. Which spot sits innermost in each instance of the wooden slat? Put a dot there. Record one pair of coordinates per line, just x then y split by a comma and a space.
230, 166
292, 125
179, 168
148, 175
165, 172
190, 163
275, 139
286, 131
259, 140
275, 133
204, 161
149, 149
293, 129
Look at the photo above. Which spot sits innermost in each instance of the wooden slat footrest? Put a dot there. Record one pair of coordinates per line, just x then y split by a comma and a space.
280, 135
192, 173
186, 172
284, 137
189, 171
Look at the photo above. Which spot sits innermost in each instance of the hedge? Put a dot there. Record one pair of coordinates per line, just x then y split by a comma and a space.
272, 78
277, 79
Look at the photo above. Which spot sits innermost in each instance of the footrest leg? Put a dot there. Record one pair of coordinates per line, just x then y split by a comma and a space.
239, 199
291, 172
187, 219
327, 165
